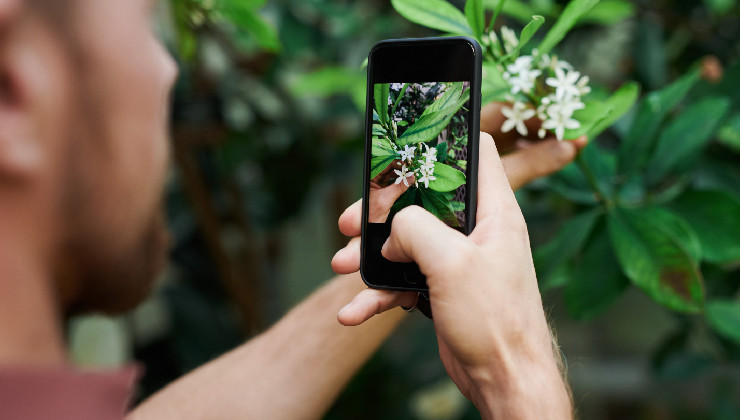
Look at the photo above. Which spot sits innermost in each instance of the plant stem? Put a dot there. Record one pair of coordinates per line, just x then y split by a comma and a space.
591, 179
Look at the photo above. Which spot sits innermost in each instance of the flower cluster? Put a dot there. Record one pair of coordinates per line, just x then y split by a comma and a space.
544, 86
419, 166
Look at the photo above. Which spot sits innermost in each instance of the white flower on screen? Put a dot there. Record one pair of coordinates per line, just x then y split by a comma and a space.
516, 117
407, 153
509, 38
425, 178
558, 120
430, 156
403, 175
564, 83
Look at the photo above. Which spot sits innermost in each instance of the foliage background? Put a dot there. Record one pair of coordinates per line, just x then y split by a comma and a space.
267, 140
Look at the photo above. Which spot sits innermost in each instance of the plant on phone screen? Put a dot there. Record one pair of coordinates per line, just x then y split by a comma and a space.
418, 128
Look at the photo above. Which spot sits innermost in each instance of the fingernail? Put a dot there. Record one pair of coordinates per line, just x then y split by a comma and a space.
385, 245
344, 308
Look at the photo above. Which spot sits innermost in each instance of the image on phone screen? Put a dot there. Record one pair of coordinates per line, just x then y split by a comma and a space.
419, 146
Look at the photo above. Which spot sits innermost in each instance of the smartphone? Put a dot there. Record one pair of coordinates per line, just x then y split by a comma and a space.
421, 144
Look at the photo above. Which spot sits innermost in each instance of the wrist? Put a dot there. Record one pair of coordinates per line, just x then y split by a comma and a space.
523, 387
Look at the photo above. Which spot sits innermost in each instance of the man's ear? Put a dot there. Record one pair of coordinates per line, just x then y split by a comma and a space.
19, 151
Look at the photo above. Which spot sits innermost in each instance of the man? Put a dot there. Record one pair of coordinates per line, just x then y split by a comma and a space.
83, 151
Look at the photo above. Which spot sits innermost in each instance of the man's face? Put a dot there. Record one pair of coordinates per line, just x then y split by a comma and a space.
117, 156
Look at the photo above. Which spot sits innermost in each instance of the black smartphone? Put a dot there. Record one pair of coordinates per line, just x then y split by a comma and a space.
421, 144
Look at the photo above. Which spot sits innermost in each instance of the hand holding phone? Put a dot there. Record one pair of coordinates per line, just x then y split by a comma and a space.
422, 131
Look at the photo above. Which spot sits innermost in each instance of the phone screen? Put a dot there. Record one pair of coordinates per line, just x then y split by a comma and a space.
419, 149
421, 144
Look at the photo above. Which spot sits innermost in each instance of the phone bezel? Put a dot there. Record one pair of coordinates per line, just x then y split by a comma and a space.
417, 60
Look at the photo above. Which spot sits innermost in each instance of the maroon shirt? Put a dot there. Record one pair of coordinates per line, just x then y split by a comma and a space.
65, 394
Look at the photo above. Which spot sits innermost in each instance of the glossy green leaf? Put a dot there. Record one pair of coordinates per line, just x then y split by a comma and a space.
449, 98
442, 152
634, 150
447, 178
571, 14
439, 205
618, 104
380, 94
609, 12
429, 125
715, 217
476, 17
526, 35
654, 259
571, 184
724, 318
436, 14
379, 164
678, 228
596, 281
567, 243
683, 139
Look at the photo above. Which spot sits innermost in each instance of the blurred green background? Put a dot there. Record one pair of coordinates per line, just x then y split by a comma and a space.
267, 135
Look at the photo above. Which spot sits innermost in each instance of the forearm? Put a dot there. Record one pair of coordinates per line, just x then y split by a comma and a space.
528, 388
294, 370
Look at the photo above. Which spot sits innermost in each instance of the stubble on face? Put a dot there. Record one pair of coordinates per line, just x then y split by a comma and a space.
115, 240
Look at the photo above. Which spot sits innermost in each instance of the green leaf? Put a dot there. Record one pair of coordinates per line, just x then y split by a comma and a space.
447, 178
634, 150
527, 33
571, 184
618, 104
497, 8
380, 93
571, 14
450, 98
245, 17
655, 261
379, 163
724, 318
429, 125
457, 206
609, 12
476, 17
332, 81
715, 217
678, 228
436, 14
381, 157
683, 139
567, 243
438, 204
596, 281
442, 152
729, 134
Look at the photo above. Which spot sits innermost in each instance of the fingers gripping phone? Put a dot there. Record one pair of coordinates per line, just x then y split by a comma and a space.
421, 144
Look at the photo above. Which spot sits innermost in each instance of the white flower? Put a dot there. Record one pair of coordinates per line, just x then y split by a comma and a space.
430, 156
403, 175
564, 84
407, 153
523, 63
516, 117
425, 178
510, 39
582, 86
524, 81
559, 121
